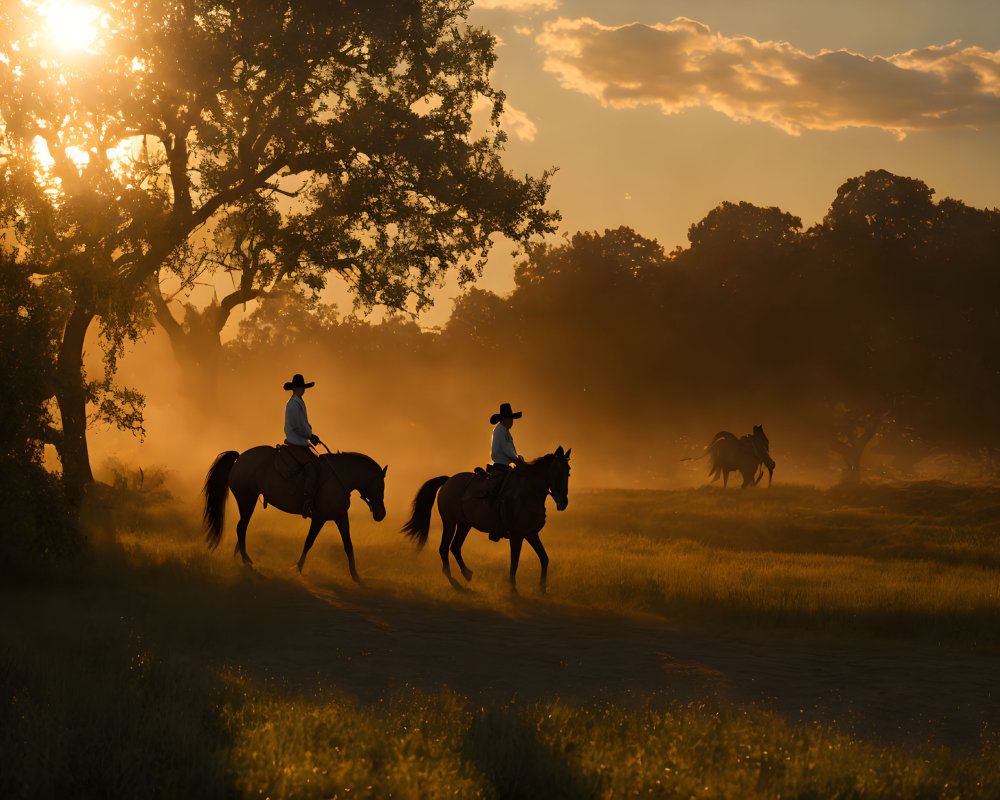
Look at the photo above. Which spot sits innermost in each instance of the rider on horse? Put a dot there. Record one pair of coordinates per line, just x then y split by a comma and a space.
298, 438
502, 454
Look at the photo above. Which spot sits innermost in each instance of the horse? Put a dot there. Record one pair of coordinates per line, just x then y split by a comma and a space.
523, 494
746, 455
253, 473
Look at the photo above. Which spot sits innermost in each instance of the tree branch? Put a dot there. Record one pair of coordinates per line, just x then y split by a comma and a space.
161, 311
233, 299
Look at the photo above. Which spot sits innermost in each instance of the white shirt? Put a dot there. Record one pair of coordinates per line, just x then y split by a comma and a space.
503, 451
297, 427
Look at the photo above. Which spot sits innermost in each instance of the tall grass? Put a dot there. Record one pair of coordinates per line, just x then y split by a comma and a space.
439, 746
110, 719
109, 685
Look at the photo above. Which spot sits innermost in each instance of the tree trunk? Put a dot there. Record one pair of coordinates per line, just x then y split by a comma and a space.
71, 395
197, 344
198, 351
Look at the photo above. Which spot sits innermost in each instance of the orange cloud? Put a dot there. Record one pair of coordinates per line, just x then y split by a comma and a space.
518, 5
513, 120
683, 64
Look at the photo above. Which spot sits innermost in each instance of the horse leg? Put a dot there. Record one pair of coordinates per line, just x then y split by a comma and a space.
543, 557
246, 506
456, 549
515, 556
725, 479
447, 535
344, 526
315, 525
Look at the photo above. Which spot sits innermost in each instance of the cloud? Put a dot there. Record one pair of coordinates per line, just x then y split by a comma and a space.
513, 120
518, 123
523, 30
518, 5
683, 64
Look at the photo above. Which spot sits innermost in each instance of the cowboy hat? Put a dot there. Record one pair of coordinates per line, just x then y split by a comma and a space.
504, 412
298, 382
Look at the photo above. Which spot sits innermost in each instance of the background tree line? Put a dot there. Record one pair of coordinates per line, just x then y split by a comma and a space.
880, 323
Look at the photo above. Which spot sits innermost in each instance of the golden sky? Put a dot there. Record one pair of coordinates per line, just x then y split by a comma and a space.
656, 112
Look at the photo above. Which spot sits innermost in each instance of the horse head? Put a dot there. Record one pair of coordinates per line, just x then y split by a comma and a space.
557, 477
759, 435
374, 493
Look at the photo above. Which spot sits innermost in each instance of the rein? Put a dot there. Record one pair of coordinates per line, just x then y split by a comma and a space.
361, 494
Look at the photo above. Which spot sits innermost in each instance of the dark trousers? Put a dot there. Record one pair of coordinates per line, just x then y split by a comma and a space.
310, 467
496, 474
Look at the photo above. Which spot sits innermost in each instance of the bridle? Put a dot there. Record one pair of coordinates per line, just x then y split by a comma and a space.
367, 499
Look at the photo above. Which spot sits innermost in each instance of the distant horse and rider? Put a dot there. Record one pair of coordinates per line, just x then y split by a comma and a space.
295, 480
748, 455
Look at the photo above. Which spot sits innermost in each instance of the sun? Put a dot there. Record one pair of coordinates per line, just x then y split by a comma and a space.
71, 26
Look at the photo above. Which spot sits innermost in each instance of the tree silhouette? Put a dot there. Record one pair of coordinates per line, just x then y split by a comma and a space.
350, 120
34, 509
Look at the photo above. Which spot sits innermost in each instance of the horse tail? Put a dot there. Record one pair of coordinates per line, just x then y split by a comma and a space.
419, 524
216, 487
720, 436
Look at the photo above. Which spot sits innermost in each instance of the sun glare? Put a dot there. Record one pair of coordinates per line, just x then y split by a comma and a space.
71, 26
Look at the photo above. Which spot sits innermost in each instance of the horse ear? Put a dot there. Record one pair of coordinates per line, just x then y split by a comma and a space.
385, 470
559, 451
568, 452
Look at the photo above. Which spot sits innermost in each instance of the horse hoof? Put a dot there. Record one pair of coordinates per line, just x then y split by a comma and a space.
467, 574
246, 560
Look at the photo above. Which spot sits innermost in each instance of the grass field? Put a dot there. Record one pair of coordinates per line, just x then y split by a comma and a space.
790, 642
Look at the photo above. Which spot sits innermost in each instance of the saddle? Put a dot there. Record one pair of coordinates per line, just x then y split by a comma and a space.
287, 466
491, 482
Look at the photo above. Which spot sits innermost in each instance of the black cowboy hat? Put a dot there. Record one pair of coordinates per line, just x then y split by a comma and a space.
504, 412
298, 382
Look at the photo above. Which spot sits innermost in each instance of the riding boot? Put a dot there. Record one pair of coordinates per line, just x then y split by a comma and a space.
501, 530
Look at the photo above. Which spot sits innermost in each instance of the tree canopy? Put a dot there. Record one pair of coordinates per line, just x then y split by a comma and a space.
274, 140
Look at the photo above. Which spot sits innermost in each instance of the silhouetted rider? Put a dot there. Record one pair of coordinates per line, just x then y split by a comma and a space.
502, 453
298, 436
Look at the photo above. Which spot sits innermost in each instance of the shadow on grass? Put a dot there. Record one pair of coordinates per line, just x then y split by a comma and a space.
516, 762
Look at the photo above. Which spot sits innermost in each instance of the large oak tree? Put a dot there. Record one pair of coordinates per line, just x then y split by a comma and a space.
341, 130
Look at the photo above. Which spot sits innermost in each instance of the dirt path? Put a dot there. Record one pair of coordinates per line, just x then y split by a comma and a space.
368, 642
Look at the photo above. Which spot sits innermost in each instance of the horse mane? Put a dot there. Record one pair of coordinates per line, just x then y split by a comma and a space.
538, 461
352, 454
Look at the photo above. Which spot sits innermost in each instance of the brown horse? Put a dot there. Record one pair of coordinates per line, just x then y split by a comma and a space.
748, 456
461, 509
250, 474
